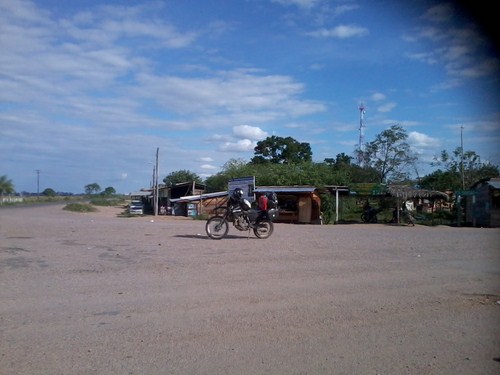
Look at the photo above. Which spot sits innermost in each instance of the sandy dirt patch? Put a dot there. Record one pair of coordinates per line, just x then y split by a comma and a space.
96, 293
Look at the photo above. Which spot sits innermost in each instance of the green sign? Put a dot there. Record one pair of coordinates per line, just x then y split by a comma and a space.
368, 189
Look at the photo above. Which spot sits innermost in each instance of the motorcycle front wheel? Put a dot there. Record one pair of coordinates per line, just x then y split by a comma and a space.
217, 227
263, 229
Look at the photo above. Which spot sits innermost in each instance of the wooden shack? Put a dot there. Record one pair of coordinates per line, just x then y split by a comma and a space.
200, 204
297, 204
483, 204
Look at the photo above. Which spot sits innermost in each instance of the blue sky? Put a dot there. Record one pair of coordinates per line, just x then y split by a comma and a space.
90, 89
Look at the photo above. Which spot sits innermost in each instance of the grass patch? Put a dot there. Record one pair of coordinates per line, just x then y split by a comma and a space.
107, 202
201, 217
80, 207
39, 200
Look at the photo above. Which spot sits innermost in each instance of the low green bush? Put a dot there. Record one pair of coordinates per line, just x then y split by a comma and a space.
109, 202
79, 207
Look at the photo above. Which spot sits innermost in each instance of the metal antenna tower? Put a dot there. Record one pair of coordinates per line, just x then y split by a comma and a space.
361, 132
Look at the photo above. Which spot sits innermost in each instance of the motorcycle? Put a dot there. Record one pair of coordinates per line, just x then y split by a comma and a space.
370, 215
243, 218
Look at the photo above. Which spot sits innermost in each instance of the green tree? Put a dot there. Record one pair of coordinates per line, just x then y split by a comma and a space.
341, 161
92, 188
450, 177
281, 150
440, 180
109, 191
233, 168
389, 154
358, 174
304, 173
6, 185
49, 192
345, 172
181, 176
216, 182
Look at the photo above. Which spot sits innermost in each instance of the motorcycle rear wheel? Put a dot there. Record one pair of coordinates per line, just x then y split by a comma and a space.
263, 229
216, 227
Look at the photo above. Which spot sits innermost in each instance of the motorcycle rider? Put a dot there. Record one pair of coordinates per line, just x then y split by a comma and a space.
368, 211
367, 207
236, 199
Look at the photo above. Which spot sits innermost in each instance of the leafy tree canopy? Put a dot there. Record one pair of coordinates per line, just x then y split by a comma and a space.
181, 176
450, 176
304, 173
341, 160
279, 150
6, 185
389, 154
92, 188
109, 191
49, 192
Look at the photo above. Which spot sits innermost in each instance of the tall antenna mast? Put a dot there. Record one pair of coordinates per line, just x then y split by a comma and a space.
361, 133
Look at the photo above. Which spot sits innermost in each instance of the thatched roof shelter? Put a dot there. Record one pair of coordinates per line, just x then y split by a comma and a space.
403, 193
409, 192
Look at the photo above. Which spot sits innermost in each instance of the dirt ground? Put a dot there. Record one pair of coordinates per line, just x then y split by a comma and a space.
94, 293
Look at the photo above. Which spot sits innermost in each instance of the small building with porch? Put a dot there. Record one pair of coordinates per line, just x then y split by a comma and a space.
297, 204
483, 204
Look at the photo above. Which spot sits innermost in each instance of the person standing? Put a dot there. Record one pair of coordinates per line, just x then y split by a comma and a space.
263, 202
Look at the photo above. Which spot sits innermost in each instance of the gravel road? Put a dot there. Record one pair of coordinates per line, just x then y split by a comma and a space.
95, 293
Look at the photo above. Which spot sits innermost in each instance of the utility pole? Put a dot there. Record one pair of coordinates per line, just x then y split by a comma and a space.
361, 142
462, 156
37, 183
156, 183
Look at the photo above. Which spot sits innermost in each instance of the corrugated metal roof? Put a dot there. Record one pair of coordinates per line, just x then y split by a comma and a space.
285, 189
495, 184
141, 193
190, 198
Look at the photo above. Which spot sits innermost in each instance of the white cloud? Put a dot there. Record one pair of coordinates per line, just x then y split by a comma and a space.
459, 49
376, 97
242, 145
208, 167
317, 66
424, 146
300, 3
229, 91
341, 9
439, 13
340, 32
421, 140
424, 57
251, 132
387, 107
